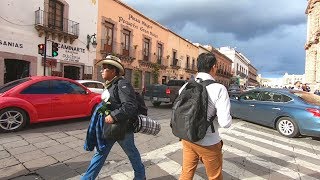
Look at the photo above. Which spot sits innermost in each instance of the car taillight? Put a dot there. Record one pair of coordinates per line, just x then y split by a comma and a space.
315, 112
168, 91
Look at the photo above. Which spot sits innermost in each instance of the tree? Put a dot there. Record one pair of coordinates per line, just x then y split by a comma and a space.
155, 72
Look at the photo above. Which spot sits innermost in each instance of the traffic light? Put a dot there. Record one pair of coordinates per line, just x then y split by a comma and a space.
54, 49
41, 49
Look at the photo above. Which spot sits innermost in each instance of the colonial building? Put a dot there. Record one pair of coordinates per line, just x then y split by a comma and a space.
150, 52
240, 66
252, 77
25, 25
288, 80
312, 46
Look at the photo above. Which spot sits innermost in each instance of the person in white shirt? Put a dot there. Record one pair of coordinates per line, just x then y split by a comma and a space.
209, 149
297, 86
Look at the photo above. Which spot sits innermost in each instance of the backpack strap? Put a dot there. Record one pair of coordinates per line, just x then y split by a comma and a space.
206, 83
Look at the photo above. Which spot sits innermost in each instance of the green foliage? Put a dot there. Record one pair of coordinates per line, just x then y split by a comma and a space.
136, 78
155, 72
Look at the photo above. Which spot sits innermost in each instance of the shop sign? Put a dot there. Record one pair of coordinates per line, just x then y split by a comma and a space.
10, 44
70, 53
137, 23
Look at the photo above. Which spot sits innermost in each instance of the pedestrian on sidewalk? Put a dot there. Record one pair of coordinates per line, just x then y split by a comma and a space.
209, 149
123, 109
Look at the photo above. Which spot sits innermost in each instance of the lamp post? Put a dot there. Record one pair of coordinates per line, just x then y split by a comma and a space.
94, 40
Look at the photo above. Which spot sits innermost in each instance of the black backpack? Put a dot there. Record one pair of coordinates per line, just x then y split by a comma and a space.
189, 112
142, 108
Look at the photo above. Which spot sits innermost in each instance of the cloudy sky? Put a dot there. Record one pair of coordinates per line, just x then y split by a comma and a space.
271, 34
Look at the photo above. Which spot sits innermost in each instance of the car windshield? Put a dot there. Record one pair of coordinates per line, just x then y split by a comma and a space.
12, 84
309, 97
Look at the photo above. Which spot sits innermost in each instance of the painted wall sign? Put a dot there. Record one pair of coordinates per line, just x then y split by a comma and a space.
70, 53
10, 44
136, 23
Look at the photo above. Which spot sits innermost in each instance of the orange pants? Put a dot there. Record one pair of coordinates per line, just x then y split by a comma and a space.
210, 156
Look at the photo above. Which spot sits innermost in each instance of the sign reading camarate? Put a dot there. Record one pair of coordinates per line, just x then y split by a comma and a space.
138, 24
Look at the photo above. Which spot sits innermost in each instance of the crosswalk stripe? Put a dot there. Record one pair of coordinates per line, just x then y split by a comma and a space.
280, 138
237, 171
268, 165
274, 144
273, 153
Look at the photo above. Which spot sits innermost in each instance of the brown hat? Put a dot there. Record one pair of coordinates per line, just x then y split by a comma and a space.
112, 60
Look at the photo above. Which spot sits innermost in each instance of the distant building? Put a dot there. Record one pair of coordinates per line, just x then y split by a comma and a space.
240, 67
312, 46
290, 79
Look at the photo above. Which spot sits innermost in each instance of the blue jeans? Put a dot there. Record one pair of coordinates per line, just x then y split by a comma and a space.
127, 144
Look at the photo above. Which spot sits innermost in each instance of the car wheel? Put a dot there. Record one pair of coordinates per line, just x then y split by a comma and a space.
156, 104
12, 119
287, 127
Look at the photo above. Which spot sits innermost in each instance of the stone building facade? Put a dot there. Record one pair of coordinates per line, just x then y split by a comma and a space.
25, 25
150, 52
312, 46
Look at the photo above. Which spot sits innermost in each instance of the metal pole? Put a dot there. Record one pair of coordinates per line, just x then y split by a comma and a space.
45, 55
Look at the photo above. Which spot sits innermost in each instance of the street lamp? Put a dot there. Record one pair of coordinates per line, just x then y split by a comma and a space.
94, 40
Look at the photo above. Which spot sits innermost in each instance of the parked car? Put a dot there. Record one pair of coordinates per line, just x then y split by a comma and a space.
94, 86
163, 93
291, 112
248, 88
43, 98
234, 90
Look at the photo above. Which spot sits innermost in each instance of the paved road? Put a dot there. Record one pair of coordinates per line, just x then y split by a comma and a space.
55, 151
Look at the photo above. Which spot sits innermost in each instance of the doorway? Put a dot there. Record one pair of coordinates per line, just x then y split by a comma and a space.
72, 72
16, 69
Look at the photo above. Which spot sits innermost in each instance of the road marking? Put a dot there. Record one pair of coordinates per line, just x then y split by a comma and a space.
273, 153
274, 144
281, 138
266, 164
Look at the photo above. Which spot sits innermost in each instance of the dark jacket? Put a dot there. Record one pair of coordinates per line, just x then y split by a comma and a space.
123, 102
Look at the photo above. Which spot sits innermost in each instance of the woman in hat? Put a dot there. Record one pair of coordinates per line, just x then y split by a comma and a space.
123, 110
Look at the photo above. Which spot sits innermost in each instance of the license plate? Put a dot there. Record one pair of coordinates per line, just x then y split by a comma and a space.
155, 98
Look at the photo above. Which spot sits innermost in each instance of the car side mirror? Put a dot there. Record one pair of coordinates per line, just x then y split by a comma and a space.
88, 91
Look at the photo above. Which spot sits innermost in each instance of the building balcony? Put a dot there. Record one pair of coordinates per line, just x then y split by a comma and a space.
191, 69
47, 23
126, 54
176, 64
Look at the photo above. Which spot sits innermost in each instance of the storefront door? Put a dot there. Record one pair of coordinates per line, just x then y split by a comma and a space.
72, 72
16, 69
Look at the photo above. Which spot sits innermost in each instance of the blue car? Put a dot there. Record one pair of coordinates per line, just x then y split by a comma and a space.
291, 112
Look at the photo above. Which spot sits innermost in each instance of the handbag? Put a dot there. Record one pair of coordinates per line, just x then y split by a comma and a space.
115, 131
146, 125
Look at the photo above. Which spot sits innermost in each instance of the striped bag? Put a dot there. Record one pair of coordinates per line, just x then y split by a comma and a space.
146, 125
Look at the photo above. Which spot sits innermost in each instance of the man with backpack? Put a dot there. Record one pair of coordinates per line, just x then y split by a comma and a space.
117, 125
199, 102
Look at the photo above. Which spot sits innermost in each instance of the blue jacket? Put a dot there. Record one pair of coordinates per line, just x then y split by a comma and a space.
94, 132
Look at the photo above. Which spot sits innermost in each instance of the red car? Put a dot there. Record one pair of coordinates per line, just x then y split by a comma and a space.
43, 98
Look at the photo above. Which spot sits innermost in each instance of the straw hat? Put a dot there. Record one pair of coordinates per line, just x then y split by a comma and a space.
112, 60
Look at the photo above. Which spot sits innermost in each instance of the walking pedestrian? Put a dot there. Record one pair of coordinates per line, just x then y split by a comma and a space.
123, 110
209, 149
297, 86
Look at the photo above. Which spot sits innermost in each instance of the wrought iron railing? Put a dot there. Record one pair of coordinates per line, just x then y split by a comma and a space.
51, 22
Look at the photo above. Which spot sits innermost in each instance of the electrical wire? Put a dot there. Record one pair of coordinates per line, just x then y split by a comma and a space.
16, 23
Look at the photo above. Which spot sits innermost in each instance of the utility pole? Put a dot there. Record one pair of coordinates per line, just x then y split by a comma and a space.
45, 55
